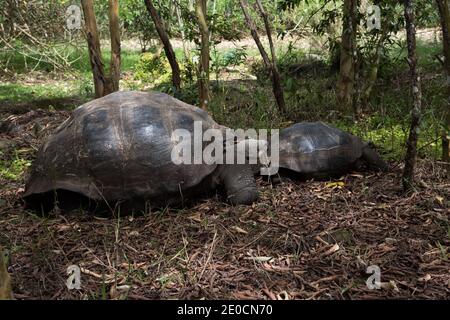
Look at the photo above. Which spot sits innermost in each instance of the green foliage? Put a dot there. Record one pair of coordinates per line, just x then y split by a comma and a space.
18, 92
77, 81
13, 170
137, 22
227, 26
234, 57
288, 4
427, 14
152, 68
243, 105
231, 58
225, 22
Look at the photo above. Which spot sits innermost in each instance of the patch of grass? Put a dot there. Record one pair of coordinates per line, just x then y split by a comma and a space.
244, 104
19, 92
78, 84
152, 68
129, 59
77, 56
13, 170
395, 61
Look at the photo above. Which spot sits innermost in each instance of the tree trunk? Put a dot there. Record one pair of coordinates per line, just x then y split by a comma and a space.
444, 13
214, 11
203, 67
276, 77
10, 17
183, 35
372, 75
101, 82
168, 49
251, 25
114, 29
411, 153
269, 64
346, 80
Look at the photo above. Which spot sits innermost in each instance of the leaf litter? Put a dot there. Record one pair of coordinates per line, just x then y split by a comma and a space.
302, 240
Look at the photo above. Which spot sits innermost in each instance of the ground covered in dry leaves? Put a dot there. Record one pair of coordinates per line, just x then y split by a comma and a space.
302, 240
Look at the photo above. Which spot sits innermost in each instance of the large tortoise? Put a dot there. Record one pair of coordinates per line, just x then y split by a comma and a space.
317, 150
118, 149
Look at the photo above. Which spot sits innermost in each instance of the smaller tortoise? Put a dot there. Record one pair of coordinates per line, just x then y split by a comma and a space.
118, 149
317, 150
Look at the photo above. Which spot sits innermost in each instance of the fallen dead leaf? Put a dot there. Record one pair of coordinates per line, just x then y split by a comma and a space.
391, 285
440, 199
332, 185
259, 259
197, 217
426, 278
332, 250
239, 229
283, 295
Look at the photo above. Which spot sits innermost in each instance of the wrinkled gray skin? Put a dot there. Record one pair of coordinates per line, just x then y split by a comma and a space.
318, 150
118, 148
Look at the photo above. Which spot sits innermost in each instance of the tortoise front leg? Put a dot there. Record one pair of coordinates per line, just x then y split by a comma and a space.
239, 183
